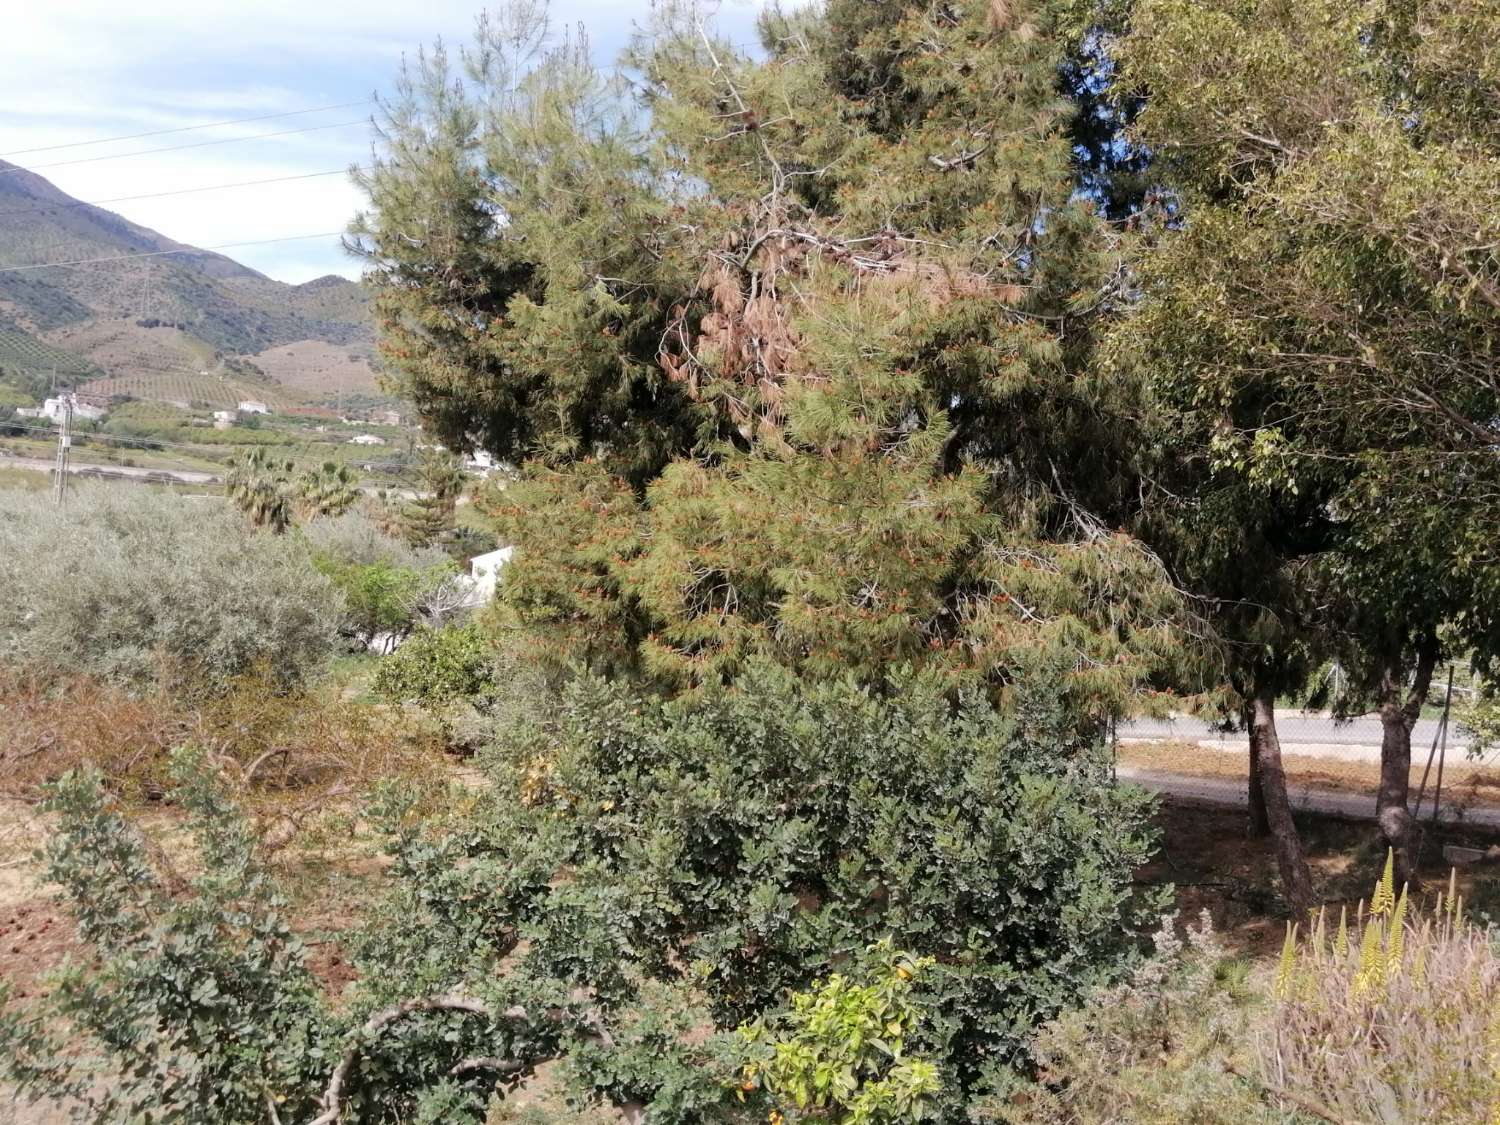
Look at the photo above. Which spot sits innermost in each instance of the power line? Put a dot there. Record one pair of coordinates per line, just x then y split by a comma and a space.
179, 148
161, 194
188, 128
164, 253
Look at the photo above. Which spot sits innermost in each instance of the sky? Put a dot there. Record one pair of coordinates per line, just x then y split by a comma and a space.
82, 70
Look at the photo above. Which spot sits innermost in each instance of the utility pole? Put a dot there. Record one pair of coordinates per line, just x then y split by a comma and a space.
64, 441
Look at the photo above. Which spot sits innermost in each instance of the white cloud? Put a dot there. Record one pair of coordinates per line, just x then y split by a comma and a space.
87, 69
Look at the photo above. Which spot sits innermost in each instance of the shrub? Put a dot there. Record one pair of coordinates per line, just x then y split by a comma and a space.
197, 1008
642, 878
439, 667
740, 844
135, 586
838, 1055
382, 598
1160, 1048
1386, 1016
1390, 1018
355, 539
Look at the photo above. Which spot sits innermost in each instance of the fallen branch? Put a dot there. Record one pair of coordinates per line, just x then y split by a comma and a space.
332, 1099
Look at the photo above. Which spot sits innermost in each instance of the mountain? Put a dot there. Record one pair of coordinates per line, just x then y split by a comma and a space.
178, 313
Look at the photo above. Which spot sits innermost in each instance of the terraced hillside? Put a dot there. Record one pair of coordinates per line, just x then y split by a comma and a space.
212, 306
24, 353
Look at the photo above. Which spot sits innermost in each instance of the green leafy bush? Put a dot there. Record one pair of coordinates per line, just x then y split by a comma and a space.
197, 1007
641, 879
838, 1055
740, 844
136, 586
439, 667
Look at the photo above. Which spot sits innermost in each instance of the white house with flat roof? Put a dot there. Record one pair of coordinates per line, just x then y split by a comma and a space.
485, 570
250, 406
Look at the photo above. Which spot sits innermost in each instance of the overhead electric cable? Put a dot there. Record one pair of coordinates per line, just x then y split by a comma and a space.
188, 128
179, 148
162, 194
164, 253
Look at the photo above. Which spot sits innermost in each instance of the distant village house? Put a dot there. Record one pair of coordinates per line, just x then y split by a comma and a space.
484, 571
250, 406
223, 419
54, 409
366, 439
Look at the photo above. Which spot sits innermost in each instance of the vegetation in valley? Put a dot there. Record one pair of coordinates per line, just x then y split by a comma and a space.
882, 413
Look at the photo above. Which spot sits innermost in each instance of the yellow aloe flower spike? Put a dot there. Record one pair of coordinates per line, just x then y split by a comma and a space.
1287, 963
1371, 973
1396, 945
1341, 942
1385, 890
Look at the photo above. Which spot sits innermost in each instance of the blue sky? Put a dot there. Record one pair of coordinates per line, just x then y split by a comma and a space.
78, 70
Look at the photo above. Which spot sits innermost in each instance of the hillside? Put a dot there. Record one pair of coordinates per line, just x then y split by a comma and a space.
147, 320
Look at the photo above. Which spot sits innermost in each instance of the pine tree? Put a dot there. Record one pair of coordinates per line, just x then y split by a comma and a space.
794, 365
439, 483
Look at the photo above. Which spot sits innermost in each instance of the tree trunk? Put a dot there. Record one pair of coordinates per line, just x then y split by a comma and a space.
1296, 881
1259, 825
1398, 714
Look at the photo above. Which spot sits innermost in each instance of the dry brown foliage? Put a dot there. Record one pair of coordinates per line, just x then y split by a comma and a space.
285, 754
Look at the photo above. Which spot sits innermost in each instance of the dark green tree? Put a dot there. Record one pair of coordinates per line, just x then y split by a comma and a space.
791, 359
1327, 307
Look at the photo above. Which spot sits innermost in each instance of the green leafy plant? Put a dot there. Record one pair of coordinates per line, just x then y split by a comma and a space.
196, 1003
439, 667
838, 1054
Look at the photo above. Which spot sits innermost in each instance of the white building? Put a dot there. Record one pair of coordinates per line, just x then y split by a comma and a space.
485, 569
252, 407
223, 419
54, 409
367, 439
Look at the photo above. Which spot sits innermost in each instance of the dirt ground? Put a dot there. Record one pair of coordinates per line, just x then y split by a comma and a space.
1465, 784
1215, 865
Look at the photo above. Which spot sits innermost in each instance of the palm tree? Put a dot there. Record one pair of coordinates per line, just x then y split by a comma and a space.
261, 486
329, 490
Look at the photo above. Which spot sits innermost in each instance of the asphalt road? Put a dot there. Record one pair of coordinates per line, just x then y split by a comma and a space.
133, 472
1300, 728
1232, 794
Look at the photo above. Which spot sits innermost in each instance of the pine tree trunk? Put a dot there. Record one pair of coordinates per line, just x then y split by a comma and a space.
1296, 881
1398, 715
1259, 825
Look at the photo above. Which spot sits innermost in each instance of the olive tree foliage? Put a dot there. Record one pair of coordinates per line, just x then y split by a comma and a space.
787, 348
1322, 311
132, 585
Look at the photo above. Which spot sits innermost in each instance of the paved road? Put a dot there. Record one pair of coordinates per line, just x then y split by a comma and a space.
1232, 794
132, 472
1358, 738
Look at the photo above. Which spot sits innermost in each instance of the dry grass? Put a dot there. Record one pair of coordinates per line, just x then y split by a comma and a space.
1464, 784
1391, 1013
286, 754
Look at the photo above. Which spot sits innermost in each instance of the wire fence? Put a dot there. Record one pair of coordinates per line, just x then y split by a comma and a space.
1332, 765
